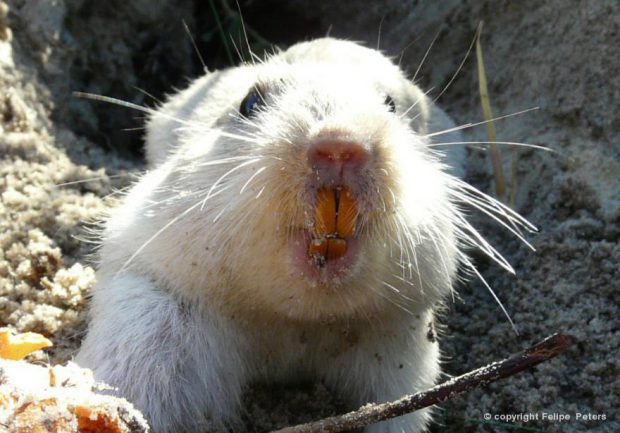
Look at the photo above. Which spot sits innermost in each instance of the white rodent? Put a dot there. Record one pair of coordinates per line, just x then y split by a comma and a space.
216, 270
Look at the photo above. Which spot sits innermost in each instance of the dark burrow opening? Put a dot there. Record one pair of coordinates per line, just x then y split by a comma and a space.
140, 55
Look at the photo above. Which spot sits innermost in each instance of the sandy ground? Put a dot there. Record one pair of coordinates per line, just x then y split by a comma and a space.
561, 56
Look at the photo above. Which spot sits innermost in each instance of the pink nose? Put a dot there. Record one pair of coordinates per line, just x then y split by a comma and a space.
332, 160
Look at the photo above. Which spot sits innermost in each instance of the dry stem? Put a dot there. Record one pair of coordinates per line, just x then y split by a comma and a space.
372, 413
496, 160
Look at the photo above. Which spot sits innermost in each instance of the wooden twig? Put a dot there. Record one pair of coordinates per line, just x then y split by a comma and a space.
372, 413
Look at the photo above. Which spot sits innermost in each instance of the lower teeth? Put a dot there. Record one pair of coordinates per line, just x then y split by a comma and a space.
322, 250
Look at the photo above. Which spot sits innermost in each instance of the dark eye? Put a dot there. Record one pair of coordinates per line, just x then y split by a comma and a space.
390, 103
251, 103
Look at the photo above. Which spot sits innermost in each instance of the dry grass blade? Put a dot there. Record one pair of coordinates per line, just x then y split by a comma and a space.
372, 413
496, 160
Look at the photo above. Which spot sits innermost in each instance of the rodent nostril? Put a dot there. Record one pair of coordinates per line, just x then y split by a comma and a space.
326, 154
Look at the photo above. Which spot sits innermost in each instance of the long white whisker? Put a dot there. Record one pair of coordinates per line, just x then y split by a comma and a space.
428, 50
471, 267
245, 33
234, 44
409, 244
259, 171
522, 221
220, 213
150, 95
499, 220
465, 228
122, 103
193, 41
471, 125
157, 233
227, 160
395, 290
221, 178
508, 143
467, 197
152, 111
91, 179
515, 221
414, 105
458, 70
390, 300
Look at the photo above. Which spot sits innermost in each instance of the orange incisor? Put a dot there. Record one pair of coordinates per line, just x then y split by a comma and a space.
335, 218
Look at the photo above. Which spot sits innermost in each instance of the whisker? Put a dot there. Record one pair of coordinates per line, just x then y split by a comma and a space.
415, 104
239, 53
152, 111
152, 238
253, 56
259, 171
458, 70
514, 221
390, 300
227, 160
135, 128
406, 47
509, 143
193, 41
499, 220
405, 244
379, 33
232, 170
91, 179
150, 95
472, 268
395, 290
428, 50
220, 213
471, 125
469, 233
120, 102
522, 221
466, 197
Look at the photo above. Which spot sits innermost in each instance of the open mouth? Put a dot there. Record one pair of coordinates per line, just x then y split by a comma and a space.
335, 220
327, 251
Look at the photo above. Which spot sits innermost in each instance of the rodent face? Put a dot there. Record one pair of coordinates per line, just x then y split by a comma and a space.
334, 199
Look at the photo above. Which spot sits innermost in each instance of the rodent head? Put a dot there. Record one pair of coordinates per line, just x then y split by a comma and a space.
319, 196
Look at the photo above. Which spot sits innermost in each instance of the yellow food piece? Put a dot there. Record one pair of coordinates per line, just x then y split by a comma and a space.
16, 347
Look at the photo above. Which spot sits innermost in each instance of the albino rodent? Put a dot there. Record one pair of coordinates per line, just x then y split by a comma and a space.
297, 223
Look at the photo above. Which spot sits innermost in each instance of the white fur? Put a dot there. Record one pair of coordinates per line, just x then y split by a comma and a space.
196, 295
